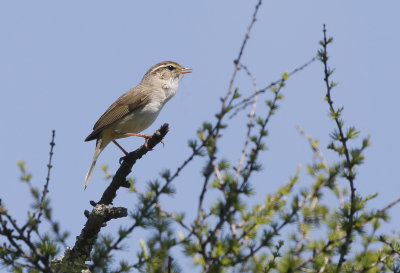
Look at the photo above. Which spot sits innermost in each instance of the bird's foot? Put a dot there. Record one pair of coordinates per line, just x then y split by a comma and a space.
125, 184
121, 159
146, 137
147, 146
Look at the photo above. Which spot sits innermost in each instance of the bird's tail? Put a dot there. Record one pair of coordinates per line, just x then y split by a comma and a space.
100, 145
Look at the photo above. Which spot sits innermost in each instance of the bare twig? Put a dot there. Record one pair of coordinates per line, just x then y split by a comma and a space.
46, 185
389, 206
250, 123
241, 51
245, 102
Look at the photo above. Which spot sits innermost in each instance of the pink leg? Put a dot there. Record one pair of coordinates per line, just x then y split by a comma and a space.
146, 137
119, 146
138, 135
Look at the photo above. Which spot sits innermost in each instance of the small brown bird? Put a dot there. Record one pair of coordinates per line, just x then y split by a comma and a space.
137, 109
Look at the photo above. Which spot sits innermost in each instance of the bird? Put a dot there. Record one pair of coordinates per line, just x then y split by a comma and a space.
137, 109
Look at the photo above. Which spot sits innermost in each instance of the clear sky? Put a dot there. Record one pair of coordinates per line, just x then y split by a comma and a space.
63, 63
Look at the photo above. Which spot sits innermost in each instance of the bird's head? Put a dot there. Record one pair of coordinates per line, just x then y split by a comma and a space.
166, 72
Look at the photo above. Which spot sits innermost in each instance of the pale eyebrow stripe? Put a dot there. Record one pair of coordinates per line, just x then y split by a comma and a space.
158, 67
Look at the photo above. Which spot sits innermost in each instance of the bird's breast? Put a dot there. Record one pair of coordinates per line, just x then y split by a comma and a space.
138, 120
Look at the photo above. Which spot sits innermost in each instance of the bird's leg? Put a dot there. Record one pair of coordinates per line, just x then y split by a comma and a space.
138, 135
146, 137
123, 150
119, 146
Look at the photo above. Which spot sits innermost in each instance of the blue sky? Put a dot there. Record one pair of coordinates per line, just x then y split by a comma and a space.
63, 63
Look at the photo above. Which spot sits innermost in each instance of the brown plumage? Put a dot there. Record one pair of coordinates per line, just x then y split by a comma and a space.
124, 105
137, 109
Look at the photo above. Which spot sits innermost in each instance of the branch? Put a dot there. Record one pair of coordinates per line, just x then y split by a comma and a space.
74, 259
245, 102
46, 185
350, 176
226, 104
42, 203
36, 257
119, 180
242, 47
250, 124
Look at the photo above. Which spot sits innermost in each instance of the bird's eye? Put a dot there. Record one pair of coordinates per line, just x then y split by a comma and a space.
170, 67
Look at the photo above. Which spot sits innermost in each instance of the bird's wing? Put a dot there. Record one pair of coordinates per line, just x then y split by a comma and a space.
127, 103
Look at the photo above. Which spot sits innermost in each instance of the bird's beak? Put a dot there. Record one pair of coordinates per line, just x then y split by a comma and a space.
185, 70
